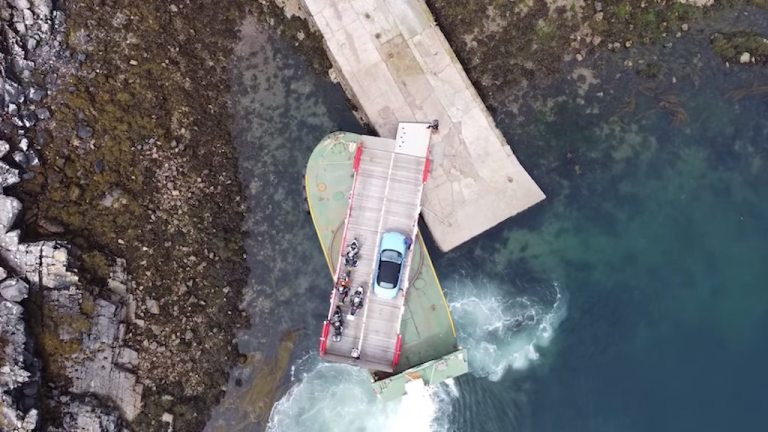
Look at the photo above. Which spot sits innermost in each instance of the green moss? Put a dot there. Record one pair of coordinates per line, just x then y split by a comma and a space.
87, 305
622, 10
649, 70
731, 46
645, 22
3, 345
54, 351
96, 265
158, 124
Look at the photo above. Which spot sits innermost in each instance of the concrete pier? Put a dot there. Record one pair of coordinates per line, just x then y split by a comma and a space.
396, 64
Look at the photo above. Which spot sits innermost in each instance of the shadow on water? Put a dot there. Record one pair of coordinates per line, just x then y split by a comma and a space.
280, 111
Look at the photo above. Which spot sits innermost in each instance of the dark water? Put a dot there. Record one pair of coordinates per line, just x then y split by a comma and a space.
635, 298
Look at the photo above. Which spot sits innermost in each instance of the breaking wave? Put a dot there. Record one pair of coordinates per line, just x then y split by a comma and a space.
334, 397
500, 333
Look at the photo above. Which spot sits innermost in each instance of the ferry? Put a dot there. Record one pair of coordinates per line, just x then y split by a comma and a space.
387, 310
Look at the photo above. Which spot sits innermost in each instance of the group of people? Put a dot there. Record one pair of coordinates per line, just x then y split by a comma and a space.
342, 286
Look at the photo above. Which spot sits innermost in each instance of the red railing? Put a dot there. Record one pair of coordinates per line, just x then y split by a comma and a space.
356, 160
396, 356
324, 336
425, 173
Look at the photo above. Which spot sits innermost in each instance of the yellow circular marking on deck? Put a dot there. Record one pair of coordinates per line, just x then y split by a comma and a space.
317, 230
321, 187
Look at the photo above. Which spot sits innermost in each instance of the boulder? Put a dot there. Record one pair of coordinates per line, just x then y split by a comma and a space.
9, 209
14, 289
4, 147
745, 58
8, 176
152, 306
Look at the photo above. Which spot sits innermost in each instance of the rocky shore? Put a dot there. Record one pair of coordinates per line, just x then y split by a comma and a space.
62, 350
124, 268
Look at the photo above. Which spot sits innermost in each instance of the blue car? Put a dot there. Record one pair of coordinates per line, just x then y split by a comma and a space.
392, 252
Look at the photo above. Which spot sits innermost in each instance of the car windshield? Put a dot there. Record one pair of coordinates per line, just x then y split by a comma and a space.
392, 256
389, 274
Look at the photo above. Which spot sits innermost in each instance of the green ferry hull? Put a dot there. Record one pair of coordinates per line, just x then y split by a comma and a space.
429, 350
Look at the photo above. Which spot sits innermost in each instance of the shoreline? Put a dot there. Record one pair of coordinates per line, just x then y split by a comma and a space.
132, 156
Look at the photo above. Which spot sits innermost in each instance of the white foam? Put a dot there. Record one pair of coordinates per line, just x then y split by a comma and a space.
500, 333
333, 397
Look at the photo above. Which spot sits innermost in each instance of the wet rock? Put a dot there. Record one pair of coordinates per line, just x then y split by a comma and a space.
22, 68
152, 306
35, 94
28, 119
43, 113
20, 157
50, 226
32, 159
14, 289
741, 47
83, 131
13, 92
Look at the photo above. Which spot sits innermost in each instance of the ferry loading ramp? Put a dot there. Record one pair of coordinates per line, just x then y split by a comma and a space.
386, 196
351, 181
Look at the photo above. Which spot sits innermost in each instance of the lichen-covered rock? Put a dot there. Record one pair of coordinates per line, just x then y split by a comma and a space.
43, 263
97, 370
79, 337
84, 339
89, 414
13, 374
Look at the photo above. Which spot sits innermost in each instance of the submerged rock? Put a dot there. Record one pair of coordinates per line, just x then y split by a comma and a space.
741, 47
83, 131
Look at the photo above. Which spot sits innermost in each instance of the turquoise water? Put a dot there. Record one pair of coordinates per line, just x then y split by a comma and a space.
635, 298
661, 243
